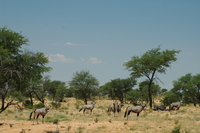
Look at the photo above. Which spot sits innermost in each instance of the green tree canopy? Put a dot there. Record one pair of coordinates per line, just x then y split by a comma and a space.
118, 88
84, 85
149, 64
57, 90
188, 88
170, 97
16, 66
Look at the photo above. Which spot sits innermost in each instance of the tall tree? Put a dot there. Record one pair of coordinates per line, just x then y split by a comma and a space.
84, 85
15, 65
149, 64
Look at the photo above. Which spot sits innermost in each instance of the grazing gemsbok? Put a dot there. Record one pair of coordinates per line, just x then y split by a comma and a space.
89, 107
38, 112
115, 107
177, 105
135, 109
162, 107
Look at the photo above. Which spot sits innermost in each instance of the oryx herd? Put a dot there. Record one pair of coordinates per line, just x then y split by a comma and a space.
114, 107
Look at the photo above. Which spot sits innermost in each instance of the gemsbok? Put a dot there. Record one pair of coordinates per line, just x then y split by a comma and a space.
176, 105
115, 107
135, 109
38, 112
88, 107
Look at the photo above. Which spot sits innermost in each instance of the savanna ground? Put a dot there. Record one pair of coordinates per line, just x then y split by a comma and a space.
68, 119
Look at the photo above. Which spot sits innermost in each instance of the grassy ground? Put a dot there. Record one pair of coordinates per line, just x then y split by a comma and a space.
68, 119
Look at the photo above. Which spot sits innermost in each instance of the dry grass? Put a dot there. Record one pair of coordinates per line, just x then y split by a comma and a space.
68, 119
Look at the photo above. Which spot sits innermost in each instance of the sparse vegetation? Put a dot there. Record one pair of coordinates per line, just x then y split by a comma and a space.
74, 121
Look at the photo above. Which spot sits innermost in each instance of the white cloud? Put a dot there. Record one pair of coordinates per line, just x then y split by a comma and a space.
59, 58
72, 44
62, 58
95, 60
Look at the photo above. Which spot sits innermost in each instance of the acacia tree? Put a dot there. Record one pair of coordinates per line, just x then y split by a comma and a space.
57, 90
15, 65
118, 88
188, 88
149, 64
84, 85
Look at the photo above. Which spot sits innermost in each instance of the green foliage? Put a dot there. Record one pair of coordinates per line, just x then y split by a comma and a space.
143, 88
118, 88
57, 90
149, 64
84, 85
80, 129
134, 96
27, 103
18, 68
96, 120
187, 88
18, 96
55, 105
170, 97
176, 129
39, 105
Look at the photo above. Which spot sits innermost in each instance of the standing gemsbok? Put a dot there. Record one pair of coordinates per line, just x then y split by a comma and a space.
115, 107
88, 107
135, 109
176, 105
38, 112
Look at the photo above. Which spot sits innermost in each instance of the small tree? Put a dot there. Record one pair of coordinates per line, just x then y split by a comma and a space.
149, 64
134, 96
57, 90
118, 88
170, 97
84, 85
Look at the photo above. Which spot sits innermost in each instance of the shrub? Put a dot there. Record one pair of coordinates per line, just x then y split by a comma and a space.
176, 129
80, 129
96, 120
27, 103
55, 105
176, 121
39, 105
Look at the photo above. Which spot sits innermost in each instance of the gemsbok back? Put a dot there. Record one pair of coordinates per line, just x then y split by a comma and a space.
38, 112
135, 109
88, 107
176, 105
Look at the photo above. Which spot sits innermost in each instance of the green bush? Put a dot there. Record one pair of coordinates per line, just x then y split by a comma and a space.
56, 105
176, 129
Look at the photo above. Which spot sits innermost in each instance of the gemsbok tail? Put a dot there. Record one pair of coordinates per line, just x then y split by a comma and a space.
109, 109
126, 112
80, 109
31, 114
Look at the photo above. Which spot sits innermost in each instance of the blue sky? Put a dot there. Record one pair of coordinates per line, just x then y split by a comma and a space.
100, 35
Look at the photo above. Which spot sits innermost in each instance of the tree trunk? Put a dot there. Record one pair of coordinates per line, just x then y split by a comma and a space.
85, 101
31, 97
40, 99
2, 103
150, 97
